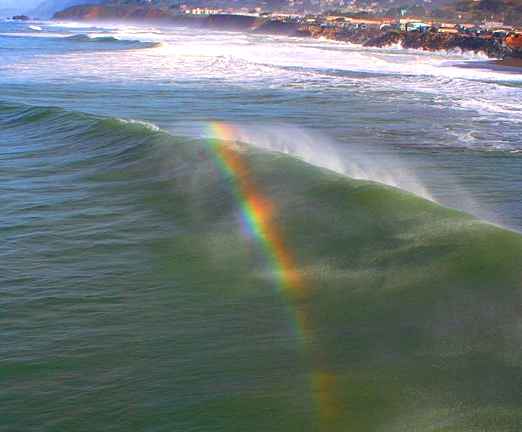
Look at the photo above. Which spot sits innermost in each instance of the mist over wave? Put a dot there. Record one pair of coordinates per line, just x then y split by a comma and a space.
353, 161
321, 151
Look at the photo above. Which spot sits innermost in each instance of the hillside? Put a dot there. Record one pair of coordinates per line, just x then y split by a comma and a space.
47, 8
507, 11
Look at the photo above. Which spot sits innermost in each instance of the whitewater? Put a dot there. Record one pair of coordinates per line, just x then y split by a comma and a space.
220, 231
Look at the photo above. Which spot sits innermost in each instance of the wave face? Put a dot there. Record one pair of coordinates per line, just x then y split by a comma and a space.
136, 297
110, 40
42, 40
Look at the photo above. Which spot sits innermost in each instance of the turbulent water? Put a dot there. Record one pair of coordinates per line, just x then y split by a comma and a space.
211, 231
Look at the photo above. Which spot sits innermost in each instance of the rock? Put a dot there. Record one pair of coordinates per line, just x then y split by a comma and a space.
230, 22
277, 28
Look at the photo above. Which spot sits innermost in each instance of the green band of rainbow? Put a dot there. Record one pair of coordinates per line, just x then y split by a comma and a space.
258, 215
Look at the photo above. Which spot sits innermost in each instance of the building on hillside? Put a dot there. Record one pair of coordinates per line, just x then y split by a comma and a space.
389, 26
415, 26
492, 24
444, 27
406, 22
369, 22
514, 41
204, 11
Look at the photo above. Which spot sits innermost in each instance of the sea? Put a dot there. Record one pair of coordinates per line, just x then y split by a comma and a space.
204, 230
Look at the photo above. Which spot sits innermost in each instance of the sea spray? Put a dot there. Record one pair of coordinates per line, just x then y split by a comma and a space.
320, 150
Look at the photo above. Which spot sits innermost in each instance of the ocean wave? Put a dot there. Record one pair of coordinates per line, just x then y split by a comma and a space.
273, 139
145, 124
211, 243
88, 38
351, 161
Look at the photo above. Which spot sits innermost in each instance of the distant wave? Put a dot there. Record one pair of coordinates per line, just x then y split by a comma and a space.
459, 52
84, 38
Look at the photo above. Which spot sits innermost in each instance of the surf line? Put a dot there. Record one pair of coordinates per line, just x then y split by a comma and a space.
257, 214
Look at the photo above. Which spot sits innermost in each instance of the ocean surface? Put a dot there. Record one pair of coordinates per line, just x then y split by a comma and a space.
216, 231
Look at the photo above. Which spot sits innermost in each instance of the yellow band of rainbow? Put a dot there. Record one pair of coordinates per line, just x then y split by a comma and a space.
258, 215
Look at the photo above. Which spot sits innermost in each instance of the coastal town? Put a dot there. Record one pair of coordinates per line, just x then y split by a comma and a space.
365, 19
472, 17
335, 25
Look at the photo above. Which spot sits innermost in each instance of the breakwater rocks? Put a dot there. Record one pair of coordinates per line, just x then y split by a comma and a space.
493, 47
431, 41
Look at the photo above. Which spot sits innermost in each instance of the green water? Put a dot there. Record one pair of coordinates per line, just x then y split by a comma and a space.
132, 299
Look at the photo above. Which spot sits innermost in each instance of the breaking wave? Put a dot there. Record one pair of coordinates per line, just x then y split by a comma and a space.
86, 38
134, 237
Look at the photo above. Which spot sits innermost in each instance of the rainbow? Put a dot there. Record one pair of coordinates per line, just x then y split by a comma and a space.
258, 216
257, 211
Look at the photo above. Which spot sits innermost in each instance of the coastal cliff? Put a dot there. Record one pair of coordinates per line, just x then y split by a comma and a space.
493, 47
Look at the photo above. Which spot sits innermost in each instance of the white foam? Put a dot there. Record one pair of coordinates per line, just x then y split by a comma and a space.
147, 125
281, 62
35, 34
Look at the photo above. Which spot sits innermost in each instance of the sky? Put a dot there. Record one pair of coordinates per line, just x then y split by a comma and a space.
19, 4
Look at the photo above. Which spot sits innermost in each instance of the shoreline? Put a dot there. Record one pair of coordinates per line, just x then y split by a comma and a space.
494, 48
509, 66
510, 63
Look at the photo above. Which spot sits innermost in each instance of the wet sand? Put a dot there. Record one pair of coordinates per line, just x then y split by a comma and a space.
511, 63
506, 65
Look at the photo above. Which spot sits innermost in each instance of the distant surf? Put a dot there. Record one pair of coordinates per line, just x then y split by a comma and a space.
127, 43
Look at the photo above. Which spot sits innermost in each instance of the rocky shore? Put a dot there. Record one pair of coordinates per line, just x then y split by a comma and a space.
496, 48
492, 47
